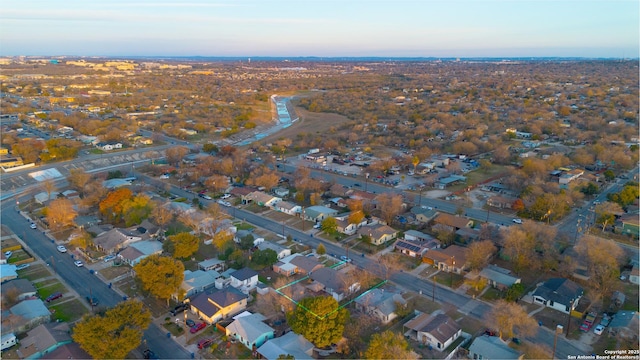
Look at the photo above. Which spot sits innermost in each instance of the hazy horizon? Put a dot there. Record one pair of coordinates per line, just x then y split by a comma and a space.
314, 28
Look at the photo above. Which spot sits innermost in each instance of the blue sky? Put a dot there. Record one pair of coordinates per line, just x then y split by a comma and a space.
387, 28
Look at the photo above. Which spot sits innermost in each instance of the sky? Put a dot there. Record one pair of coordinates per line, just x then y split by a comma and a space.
323, 28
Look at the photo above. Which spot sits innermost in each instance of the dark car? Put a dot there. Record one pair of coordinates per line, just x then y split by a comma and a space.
204, 343
178, 309
92, 300
198, 327
490, 332
54, 296
148, 354
191, 323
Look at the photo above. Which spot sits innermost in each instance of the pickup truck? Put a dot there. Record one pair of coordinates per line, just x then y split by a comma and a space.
588, 322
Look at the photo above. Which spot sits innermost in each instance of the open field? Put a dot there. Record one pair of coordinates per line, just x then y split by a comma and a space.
312, 123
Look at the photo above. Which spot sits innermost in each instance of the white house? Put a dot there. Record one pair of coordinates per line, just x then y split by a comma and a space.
281, 251
559, 294
288, 207
244, 279
437, 330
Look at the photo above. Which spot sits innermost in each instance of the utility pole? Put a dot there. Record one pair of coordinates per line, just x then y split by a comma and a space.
555, 340
433, 293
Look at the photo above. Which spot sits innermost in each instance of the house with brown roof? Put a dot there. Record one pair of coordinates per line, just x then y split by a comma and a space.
44, 339
288, 208
212, 306
379, 233
453, 222
115, 239
500, 202
451, 259
261, 198
333, 283
339, 190
241, 192
296, 263
437, 330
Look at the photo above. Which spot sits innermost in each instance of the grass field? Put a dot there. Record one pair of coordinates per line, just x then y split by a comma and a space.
68, 311
44, 292
36, 272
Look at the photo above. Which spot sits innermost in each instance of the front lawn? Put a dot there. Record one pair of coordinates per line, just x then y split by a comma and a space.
68, 311
36, 272
44, 292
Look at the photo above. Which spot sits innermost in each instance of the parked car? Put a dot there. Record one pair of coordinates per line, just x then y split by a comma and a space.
33, 226
54, 296
205, 196
204, 343
8, 254
517, 221
191, 323
109, 258
92, 300
61, 248
78, 263
226, 196
198, 327
344, 258
148, 354
599, 329
178, 309
22, 266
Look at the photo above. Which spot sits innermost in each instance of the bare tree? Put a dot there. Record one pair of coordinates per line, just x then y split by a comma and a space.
60, 214
390, 205
49, 186
479, 253
511, 319
603, 262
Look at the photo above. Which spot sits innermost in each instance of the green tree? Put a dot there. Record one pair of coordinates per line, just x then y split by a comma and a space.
114, 334
609, 175
160, 275
627, 196
136, 209
329, 225
319, 319
209, 148
184, 245
238, 258
321, 250
514, 292
590, 189
246, 242
389, 345
265, 257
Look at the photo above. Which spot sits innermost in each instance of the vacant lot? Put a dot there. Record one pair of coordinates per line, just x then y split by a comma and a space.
309, 123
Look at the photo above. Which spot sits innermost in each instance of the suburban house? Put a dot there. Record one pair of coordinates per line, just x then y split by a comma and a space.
411, 248
415, 235
344, 227
250, 330
108, 146
380, 303
332, 282
296, 263
18, 288
288, 207
451, 222
569, 176
212, 306
115, 239
379, 233
625, 325
241, 192
559, 294
424, 214
25, 315
197, 281
451, 259
318, 213
498, 277
281, 251
445, 182
67, 351
44, 339
137, 251
287, 344
500, 202
281, 192
492, 347
340, 190
244, 279
211, 264
436, 330
241, 234
261, 198
7, 272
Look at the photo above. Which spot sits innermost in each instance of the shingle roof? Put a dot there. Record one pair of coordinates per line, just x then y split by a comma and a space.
244, 274
250, 327
210, 302
491, 347
559, 290
290, 343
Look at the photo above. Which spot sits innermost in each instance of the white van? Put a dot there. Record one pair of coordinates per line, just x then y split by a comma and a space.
8, 340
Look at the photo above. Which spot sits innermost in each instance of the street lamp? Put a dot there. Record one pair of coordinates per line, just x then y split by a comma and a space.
555, 340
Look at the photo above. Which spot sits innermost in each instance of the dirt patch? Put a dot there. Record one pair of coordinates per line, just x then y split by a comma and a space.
309, 123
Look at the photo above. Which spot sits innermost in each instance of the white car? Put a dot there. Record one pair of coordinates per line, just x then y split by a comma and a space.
599, 329
517, 221
226, 196
61, 248
22, 266
8, 254
78, 263
33, 226
317, 226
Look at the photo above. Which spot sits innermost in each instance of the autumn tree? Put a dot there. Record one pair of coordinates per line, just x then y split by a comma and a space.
390, 205
60, 214
79, 179
511, 319
49, 186
136, 209
606, 213
389, 345
80, 238
160, 275
161, 215
222, 240
175, 154
111, 206
264, 177
531, 246
217, 183
329, 224
319, 319
479, 253
603, 263
115, 333
184, 245
320, 250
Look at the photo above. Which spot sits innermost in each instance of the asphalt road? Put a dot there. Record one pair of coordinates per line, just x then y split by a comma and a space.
81, 280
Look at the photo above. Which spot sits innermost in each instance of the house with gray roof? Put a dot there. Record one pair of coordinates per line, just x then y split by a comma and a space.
380, 303
44, 339
492, 347
7, 272
212, 306
250, 330
115, 239
19, 288
288, 207
436, 330
333, 283
135, 252
499, 277
318, 213
281, 251
305, 264
211, 264
625, 324
415, 235
198, 281
288, 344
559, 294
424, 214
28, 313
244, 279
